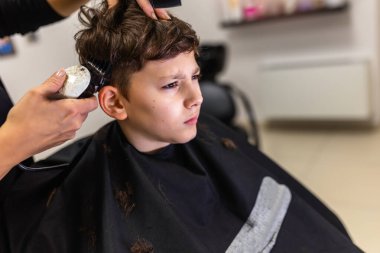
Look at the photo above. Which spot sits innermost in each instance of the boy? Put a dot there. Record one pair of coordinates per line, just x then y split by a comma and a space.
157, 180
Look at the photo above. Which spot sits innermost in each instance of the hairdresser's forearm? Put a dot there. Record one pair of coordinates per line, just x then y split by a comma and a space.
13, 150
25, 16
66, 7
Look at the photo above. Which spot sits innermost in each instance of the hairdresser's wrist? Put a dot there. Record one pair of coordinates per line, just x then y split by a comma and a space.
13, 148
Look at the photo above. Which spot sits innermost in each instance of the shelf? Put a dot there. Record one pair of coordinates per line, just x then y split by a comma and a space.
228, 24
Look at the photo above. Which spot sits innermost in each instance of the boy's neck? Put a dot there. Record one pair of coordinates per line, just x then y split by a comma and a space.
141, 143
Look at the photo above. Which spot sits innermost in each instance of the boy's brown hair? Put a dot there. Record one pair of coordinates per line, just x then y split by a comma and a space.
125, 38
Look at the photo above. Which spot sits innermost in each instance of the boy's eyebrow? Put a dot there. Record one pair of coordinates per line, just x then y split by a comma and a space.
179, 75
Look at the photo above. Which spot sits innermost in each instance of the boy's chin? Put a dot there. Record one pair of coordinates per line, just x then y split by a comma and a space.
186, 138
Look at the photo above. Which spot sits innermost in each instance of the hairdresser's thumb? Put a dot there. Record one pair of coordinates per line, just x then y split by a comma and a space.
55, 82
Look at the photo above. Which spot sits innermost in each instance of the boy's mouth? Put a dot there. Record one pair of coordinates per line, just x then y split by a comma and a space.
192, 121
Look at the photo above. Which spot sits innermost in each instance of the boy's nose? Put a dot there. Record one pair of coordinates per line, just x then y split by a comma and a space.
194, 97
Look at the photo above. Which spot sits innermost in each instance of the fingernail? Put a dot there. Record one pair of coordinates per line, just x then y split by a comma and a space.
154, 16
167, 16
60, 73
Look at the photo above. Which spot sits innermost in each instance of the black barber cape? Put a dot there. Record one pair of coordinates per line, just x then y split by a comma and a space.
216, 193
5, 103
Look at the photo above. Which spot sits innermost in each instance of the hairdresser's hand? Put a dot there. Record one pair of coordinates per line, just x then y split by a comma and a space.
37, 123
66, 7
147, 7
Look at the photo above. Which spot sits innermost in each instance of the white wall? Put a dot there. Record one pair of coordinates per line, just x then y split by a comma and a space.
353, 33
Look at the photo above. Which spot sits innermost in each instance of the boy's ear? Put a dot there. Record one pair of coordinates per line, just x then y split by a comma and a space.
110, 101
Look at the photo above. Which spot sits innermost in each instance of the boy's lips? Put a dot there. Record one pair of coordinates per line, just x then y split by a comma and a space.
192, 121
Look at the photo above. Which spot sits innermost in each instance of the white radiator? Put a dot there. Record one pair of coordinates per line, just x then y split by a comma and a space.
332, 90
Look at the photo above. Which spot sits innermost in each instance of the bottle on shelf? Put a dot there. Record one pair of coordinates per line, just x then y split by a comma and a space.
231, 11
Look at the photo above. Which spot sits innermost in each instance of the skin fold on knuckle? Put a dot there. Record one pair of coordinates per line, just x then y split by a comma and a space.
32, 96
70, 109
78, 124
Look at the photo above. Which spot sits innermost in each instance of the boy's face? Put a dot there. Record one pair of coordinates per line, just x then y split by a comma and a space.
163, 103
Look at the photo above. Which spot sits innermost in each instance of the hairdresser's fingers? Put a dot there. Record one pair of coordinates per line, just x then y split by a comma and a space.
161, 13
111, 3
85, 105
147, 7
53, 84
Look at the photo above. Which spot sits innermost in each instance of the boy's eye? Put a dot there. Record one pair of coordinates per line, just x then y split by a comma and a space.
197, 77
170, 85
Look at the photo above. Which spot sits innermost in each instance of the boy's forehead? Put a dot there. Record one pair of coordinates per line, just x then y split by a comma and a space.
178, 65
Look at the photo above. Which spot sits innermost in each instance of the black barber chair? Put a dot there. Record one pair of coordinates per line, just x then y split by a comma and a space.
220, 99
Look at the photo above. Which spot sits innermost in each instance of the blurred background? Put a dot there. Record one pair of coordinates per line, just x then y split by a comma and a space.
309, 70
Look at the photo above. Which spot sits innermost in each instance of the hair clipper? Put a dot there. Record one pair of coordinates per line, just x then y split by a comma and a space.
85, 80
